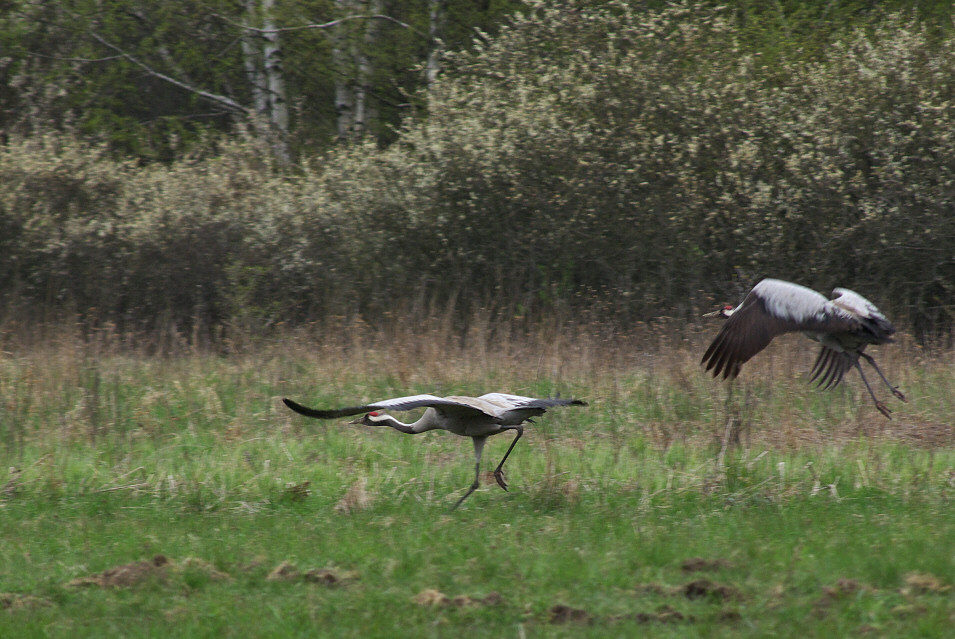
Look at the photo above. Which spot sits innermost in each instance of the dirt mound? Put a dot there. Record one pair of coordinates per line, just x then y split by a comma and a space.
559, 614
287, 571
704, 588
194, 565
920, 583
125, 576
432, 597
17, 601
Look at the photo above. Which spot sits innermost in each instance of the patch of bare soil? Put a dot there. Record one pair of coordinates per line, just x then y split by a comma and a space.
17, 601
201, 565
920, 583
704, 588
663, 614
431, 597
125, 576
909, 610
560, 614
286, 571
283, 572
699, 564
328, 577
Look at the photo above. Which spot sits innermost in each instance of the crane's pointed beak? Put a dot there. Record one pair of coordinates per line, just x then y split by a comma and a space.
714, 313
357, 421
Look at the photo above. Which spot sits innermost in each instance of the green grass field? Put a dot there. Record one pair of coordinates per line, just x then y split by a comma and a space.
176, 496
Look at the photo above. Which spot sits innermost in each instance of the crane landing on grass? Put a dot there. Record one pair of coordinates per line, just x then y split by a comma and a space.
474, 417
844, 326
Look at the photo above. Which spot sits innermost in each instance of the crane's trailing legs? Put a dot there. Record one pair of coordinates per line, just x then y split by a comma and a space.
878, 403
831, 366
498, 472
478, 449
895, 389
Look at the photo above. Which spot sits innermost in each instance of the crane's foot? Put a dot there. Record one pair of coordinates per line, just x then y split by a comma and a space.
473, 487
898, 393
499, 476
883, 409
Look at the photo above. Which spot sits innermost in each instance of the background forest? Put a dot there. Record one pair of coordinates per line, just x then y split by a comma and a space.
205, 166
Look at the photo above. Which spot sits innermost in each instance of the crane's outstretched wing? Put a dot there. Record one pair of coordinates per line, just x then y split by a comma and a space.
772, 308
397, 403
517, 401
513, 410
870, 317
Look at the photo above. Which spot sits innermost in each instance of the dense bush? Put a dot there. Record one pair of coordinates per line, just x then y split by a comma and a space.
642, 161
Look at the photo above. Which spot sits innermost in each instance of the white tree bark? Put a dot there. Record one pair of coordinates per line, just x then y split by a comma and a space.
274, 78
436, 16
341, 58
354, 67
252, 61
365, 111
262, 57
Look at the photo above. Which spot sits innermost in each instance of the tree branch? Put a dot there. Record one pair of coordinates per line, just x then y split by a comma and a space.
324, 25
213, 97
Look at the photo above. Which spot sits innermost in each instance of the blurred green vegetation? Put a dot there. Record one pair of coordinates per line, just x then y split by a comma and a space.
588, 161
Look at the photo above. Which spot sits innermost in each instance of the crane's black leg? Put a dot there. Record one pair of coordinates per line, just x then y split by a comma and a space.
499, 471
478, 449
878, 404
895, 389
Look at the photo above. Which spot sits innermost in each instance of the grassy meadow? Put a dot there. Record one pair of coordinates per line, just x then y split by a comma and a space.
174, 495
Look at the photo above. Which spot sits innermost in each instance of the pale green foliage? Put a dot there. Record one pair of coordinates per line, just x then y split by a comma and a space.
606, 161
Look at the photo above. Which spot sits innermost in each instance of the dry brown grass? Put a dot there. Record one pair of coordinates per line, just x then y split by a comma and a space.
646, 377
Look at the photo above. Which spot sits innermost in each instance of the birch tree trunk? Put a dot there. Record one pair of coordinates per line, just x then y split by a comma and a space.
436, 16
341, 59
262, 57
275, 82
354, 67
365, 112
252, 62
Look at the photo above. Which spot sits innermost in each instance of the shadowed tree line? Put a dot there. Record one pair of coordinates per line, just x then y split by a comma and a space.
604, 162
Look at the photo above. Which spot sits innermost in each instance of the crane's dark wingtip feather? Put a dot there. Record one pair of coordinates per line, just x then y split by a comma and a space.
311, 412
298, 408
560, 401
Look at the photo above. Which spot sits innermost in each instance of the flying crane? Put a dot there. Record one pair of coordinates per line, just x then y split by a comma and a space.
474, 417
843, 326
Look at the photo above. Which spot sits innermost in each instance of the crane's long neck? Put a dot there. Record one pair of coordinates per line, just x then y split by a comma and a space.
427, 422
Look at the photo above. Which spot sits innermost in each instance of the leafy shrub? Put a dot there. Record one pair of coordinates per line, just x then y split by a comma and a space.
597, 161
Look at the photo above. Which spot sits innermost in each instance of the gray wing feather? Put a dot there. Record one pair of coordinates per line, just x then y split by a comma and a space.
509, 402
398, 403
